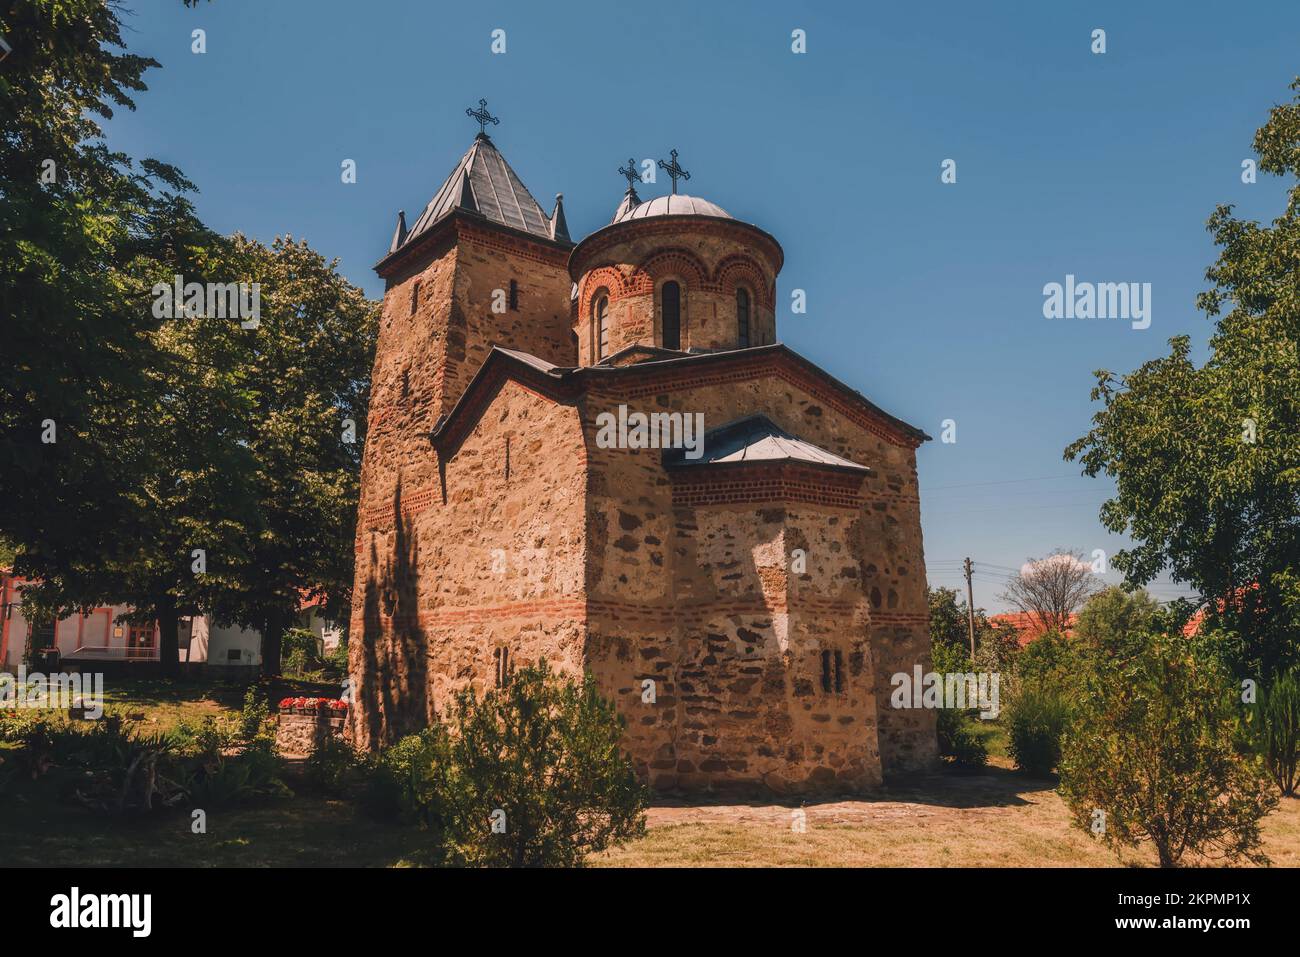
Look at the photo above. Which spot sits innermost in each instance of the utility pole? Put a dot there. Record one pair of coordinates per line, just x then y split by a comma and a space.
970, 607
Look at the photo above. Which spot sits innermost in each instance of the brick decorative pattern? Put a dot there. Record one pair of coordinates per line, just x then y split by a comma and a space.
765, 482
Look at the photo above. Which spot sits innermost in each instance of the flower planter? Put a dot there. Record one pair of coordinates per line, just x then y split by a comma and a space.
303, 723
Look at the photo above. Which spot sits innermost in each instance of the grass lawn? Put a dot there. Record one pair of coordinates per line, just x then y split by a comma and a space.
997, 818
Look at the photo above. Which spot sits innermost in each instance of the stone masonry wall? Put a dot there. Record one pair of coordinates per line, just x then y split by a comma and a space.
490, 562
702, 600
436, 329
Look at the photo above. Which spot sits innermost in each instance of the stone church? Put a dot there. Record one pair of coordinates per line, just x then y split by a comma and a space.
743, 604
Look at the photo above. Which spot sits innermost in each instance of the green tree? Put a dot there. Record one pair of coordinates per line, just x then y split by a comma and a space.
101, 457
75, 220
1151, 753
195, 464
1112, 615
304, 380
1274, 729
1206, 460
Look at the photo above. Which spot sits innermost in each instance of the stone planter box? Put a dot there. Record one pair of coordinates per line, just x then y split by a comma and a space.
300, 729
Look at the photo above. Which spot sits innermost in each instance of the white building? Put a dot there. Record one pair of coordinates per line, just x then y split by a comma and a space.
100, 635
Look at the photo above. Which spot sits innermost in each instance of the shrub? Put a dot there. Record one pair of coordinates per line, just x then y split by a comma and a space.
255, 716
1047, 662
300, 652
528, 775
1152, 748
226, 779
959, 740
1275, 724
1035, 722
330, 766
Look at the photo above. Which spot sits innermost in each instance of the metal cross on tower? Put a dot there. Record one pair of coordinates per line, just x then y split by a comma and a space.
673, 170
630, 174
483, 117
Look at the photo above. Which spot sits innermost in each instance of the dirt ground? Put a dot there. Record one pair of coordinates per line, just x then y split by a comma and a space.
998, 818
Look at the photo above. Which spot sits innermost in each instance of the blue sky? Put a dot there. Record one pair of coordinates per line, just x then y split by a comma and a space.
925, 296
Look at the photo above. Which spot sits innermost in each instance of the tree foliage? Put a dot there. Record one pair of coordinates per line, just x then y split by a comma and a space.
1206, 460
195, 463
1153, 747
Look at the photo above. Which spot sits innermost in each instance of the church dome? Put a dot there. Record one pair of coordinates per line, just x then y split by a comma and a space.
674, 204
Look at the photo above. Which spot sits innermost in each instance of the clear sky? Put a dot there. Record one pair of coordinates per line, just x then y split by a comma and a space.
925, 296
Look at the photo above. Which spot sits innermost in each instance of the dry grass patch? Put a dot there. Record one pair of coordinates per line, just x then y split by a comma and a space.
996, 819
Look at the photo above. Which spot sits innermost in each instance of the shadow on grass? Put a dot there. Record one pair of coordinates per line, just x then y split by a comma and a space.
990, 786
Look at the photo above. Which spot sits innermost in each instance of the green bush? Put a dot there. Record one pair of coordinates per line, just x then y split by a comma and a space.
330, 766
532, 774
1275, 724
1035, 721
255, 716
1151, 753
1047, 662
300, 652
959, 740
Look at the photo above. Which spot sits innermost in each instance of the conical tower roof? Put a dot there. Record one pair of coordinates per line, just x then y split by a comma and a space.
483, 183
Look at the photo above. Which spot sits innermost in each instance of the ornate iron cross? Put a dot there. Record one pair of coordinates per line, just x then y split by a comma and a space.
673, 170
483, 117
630, 174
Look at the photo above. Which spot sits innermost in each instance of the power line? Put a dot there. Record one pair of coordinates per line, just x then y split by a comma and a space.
1044, 478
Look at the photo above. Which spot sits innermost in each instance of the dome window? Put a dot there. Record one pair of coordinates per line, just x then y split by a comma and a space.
602, 327
671, 303
742, 318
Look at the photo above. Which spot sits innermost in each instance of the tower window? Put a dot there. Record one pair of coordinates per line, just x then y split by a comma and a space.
503, 664
742, 318
832, 671
514, 295
415, 296
602, 327
671, 300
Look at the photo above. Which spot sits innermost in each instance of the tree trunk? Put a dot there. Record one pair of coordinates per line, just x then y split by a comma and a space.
168, 638
1165, 854
272, 638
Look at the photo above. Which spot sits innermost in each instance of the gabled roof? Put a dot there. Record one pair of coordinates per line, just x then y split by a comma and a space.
754, 439
563, 382
484, 184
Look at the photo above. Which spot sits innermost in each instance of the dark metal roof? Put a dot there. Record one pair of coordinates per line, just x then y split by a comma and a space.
484, 183
756, 438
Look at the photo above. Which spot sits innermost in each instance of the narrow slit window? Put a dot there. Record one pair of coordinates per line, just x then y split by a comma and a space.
671, 304
415, 296
514, 295
742, 318
602, 327
826, 672
839, 672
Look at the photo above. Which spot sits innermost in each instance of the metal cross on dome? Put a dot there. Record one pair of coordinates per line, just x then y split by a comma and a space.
630, 174
483, 117
673, 170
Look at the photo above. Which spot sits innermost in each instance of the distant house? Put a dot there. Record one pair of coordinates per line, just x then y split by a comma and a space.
99, 635
1027, 626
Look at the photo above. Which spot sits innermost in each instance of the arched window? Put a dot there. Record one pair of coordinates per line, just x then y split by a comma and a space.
602, 327
742, 318
671, 300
